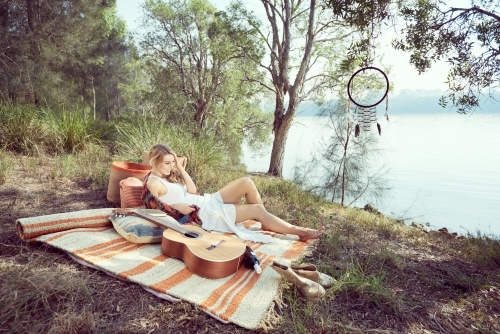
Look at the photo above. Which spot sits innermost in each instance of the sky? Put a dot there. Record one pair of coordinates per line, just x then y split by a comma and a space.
403, 75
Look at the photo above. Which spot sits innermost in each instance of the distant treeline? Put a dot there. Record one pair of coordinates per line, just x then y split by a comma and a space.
414, 102
427, 101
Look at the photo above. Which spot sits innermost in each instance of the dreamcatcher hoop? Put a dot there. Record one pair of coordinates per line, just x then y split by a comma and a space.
378, 100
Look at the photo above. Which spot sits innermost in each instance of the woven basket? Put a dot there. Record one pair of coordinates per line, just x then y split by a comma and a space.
121, 170
130, 193
145, 158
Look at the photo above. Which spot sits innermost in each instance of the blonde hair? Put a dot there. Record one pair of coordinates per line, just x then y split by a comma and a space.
156, 155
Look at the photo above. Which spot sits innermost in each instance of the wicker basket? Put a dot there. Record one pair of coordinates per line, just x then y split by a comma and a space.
145, 158
130, 193
121, 170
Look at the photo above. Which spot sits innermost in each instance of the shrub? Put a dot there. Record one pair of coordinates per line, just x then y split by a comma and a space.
133, 138
22, 129
74, 131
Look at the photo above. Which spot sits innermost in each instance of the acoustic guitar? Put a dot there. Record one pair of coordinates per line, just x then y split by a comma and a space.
205, 254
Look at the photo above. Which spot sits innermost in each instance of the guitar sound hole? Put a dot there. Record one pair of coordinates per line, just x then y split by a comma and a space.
192, 235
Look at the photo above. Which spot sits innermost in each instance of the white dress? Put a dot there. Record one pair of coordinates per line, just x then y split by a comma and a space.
214, 213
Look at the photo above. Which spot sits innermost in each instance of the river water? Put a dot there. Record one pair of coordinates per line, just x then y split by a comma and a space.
444, 169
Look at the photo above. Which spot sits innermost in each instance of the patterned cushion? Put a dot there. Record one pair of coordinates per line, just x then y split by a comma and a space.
139, 230
130, 193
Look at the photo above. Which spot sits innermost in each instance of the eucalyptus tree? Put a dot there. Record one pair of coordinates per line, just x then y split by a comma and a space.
306, 48
197, 58
465, 34
467, 37
107, 65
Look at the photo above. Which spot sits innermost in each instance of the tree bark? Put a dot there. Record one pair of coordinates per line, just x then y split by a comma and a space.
34, 25
93, 95
200, 114
282, 123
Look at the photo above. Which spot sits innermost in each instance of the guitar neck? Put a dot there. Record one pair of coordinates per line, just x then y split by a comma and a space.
162, 223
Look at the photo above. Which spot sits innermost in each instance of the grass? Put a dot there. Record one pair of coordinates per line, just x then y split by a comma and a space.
369, 286
389, 277
6, 166
91, 166
75, 130
482, 249
36, 296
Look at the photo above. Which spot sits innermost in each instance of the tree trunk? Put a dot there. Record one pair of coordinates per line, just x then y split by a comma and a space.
34, 24
93, 93
200, 113
282, 123
278, 152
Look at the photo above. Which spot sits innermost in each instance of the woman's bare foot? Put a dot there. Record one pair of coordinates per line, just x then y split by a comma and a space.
309, 233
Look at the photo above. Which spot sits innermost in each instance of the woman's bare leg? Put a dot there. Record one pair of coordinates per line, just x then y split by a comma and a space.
272, 223
242, 187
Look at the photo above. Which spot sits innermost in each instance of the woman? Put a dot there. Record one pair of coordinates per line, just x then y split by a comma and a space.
218, 211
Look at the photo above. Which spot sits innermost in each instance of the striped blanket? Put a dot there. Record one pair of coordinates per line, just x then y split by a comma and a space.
244, 298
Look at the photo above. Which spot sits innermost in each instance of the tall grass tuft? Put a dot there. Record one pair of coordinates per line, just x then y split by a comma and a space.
289, 193
136, 137
367, 285
482, 249
305, 316
73, 131
26, 130
6, 167
22, 129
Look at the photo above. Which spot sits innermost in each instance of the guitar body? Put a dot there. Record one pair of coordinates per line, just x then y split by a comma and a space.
208, 255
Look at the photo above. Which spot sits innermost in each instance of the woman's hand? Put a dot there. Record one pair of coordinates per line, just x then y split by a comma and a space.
183, 208
179, 163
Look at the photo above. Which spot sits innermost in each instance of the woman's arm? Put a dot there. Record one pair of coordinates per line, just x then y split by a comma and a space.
191, 187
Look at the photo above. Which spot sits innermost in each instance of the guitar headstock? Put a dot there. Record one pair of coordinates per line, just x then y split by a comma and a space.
122, 212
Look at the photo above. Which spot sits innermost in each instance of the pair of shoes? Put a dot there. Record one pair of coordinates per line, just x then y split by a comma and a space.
306, 287
309, 271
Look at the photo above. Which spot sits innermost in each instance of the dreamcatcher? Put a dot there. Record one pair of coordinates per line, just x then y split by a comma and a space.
367, 88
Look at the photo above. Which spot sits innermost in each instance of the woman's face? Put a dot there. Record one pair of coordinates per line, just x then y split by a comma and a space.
165, 167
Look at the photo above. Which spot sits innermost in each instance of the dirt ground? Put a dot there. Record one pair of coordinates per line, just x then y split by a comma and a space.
433, 290
108, 305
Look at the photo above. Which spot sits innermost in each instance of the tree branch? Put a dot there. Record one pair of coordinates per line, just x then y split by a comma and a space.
249, 79
463, 12
476, 9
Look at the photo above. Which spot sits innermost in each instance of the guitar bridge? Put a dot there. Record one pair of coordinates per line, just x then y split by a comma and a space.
215, 245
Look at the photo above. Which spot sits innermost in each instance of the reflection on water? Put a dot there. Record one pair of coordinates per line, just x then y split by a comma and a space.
443, 167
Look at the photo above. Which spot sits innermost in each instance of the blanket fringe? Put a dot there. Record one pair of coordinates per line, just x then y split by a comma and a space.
274, 315
270, 320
